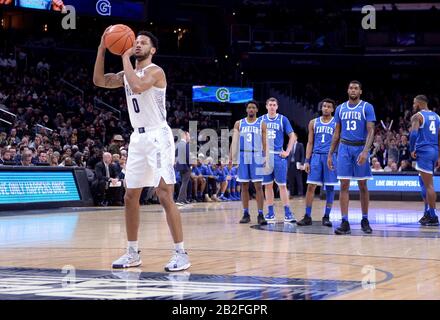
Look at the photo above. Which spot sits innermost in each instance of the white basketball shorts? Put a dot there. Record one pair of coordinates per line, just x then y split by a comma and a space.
150, 157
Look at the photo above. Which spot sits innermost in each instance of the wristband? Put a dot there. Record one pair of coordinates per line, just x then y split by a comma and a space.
307, 161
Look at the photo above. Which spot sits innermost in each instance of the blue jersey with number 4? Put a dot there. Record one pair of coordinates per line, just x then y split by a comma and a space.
251, 135
353, 120
428, 130
276, 128
323, 134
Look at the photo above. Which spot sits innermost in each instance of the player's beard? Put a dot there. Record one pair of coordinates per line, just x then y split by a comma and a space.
142, 57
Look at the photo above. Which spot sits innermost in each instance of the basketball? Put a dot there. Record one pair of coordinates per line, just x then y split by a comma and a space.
119, 38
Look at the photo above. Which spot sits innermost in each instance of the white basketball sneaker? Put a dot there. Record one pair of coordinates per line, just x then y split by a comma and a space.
178, 262
128, 260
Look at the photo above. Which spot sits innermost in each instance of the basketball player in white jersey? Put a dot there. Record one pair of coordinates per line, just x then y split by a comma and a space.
151, 150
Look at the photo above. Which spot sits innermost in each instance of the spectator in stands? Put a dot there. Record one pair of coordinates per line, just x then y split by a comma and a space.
95, 157
13, 139
122, 163
373, 162
392, 151
13, 151
379, 151
115, 146
68, 162
389, 166
43, 159
7, 157
26, 158
377, 167
404, 153
3, 138
78, 159
406, 166
57, 145
43, 66
37, 142
53, 161
115, 160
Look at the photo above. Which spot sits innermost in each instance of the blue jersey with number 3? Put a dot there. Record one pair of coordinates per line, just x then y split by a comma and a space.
353, 120
323, 134
276, 128
251, 135
428, 130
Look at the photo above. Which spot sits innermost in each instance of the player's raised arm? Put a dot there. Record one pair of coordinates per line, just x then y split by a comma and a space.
109, 80
309, 147
235, 142
155, 76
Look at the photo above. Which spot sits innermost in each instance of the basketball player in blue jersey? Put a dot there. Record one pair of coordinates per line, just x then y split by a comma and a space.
424, 142
354, 133
250, 134
277, 125
321, 132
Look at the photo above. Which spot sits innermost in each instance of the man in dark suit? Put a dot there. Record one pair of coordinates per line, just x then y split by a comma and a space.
182, 165
296, 163
105, 185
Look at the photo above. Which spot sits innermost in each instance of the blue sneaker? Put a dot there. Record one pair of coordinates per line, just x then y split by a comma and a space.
289, 217
223, 198
270, 216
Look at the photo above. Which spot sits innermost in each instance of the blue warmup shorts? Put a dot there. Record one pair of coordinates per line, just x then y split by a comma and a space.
250, 167
278, 171
347, 167
320, 174
426, 159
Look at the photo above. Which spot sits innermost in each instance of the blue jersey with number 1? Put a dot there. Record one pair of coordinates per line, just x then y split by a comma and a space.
323, 134
353, 120
428, 130
276, 128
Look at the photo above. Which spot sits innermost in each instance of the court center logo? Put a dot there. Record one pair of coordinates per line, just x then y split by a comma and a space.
103, 7
222, 94
71, 283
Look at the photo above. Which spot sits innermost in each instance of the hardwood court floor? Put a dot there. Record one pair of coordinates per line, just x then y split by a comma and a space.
402, 266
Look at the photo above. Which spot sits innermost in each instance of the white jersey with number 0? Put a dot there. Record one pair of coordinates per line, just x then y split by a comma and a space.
146, 109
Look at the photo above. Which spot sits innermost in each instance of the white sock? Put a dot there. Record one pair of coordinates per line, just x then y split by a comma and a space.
179, 247
134, 245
